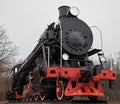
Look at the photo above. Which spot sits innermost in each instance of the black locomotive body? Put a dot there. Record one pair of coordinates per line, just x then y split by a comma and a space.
59, 66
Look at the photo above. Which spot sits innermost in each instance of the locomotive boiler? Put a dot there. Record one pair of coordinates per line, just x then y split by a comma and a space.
59, 66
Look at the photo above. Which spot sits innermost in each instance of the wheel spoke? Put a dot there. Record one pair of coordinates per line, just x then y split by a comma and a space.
36, 97
31, 98
26, 99
42, 96
23, 99
60, 90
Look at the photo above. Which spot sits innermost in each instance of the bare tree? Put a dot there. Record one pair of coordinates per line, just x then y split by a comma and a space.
118, 62
115, 62
7, 53
7, 50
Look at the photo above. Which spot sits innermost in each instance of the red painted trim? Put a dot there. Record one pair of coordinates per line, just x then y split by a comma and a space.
53, 72
84, 89
106, 75
81, 89
18, 97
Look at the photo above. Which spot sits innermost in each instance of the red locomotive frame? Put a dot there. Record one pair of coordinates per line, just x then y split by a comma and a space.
81, 89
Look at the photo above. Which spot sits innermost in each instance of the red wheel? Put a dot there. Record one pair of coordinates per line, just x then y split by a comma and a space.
42, 96
36, 97
31, 99
60, 90
23, 99
26, 99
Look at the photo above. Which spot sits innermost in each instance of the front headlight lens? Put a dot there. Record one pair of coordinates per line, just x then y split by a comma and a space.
74, 11
65, 56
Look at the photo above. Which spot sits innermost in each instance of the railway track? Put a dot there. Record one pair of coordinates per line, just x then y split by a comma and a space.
64, 102
89, 102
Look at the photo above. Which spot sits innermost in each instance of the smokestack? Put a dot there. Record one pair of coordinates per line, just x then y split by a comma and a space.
63, 11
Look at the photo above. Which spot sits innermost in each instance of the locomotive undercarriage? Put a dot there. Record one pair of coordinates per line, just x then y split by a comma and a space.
64, 83
77, 77
40, 83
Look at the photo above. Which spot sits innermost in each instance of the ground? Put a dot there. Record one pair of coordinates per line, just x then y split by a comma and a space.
5, 102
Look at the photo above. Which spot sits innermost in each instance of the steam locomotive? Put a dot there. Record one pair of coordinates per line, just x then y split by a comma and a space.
59, 66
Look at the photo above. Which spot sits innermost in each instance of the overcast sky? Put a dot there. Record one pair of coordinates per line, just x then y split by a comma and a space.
25, 21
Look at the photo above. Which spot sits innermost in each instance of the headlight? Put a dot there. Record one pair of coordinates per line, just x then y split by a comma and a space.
74, 11
103, 59
65, 56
